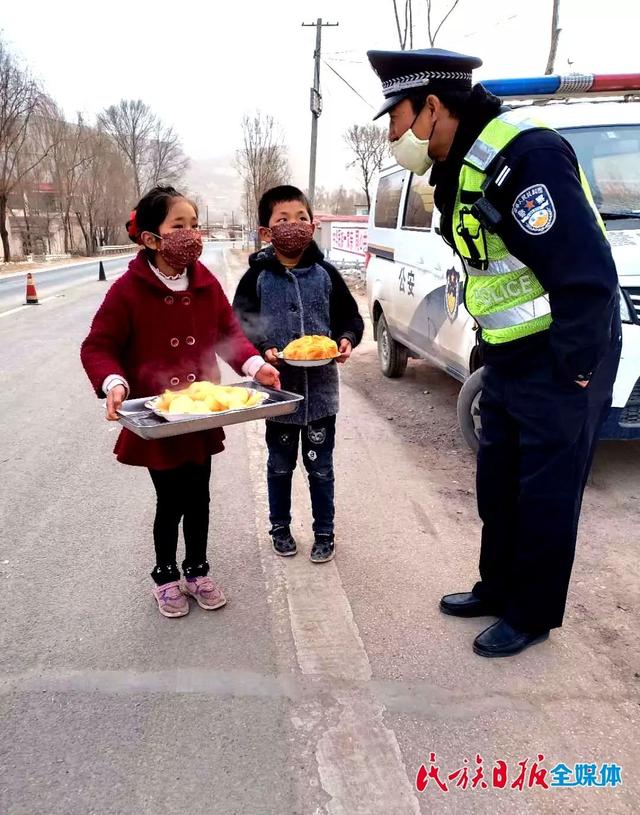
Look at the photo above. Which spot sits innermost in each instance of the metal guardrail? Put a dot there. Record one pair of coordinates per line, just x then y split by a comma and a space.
104, 250
44, 258
58, 256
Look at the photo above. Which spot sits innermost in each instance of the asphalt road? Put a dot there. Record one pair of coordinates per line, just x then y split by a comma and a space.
50, 281
317, 689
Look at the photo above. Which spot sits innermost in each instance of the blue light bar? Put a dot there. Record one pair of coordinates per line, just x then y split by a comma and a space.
564, 85
527, 86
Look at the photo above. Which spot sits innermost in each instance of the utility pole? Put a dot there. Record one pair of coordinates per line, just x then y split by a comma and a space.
316, 102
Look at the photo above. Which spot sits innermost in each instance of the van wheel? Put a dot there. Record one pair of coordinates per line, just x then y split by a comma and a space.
469, 409
393, 356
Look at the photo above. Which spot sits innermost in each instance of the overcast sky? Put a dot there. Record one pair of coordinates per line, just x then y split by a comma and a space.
201, 65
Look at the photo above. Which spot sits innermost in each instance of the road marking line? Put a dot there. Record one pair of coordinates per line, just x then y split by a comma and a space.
417, 698
28, 305
359, 760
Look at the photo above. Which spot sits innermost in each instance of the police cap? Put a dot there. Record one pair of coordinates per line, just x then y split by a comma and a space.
402, 72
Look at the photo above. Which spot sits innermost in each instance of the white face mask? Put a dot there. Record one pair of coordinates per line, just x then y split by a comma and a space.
412, 153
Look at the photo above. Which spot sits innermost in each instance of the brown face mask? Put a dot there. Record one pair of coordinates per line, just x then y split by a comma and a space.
292, 238
181, 248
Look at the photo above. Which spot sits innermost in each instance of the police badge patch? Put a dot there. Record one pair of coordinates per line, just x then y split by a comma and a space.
452, 293
534, 210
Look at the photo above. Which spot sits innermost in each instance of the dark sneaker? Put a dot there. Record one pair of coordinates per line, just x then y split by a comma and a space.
323, 549
284, 543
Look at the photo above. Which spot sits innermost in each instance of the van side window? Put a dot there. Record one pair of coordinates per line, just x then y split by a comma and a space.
418, 212
388, 200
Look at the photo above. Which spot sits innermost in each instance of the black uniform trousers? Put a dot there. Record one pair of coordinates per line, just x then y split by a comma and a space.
538, 438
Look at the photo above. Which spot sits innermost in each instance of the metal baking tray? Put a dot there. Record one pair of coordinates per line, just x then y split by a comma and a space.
145, 423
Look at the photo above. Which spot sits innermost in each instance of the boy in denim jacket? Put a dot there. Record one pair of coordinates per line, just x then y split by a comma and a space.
288, 292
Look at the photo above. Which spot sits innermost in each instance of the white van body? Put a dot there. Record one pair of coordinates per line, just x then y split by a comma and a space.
415, 282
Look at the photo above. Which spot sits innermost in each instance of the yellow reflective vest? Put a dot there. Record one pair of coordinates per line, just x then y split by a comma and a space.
502, 294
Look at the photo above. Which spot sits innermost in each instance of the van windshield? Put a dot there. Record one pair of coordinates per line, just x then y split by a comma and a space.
610, 158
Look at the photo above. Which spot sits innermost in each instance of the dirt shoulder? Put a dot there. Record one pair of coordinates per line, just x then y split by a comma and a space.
604, 598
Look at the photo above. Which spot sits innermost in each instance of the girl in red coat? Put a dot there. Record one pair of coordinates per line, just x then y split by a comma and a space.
160, 326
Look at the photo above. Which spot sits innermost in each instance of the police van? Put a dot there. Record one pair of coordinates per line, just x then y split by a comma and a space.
415, 282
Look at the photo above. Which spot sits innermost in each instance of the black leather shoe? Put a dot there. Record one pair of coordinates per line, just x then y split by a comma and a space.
466, 604
502, 640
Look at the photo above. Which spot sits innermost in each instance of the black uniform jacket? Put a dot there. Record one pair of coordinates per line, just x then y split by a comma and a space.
569, 254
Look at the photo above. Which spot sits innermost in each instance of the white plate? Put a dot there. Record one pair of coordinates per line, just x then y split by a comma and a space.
181, 417
305, 363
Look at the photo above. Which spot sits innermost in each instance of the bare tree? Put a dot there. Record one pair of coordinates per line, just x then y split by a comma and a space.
404, 26
167, 161
404, 18
105, 193
131, 124
66, 163
555, 36
431, 33
114, 202
21, 100
261, 161
370, 147
91, 173
339, 201
152, 149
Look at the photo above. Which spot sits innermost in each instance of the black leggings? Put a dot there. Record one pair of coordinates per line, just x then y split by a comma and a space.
182, 494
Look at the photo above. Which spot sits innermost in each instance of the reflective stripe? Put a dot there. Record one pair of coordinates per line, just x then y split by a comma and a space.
496, 267
482, 153
516, 315
575, 83
502, 176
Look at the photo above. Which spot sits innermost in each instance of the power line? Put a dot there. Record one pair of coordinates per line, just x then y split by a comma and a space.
349, 61
505, 21
348, 84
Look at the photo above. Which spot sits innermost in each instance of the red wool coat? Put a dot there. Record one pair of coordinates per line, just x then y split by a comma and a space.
158, 339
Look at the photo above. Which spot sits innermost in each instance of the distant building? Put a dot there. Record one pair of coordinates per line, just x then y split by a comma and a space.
35, 224
342, 238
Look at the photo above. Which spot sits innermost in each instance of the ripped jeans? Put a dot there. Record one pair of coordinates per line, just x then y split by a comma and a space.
317, 441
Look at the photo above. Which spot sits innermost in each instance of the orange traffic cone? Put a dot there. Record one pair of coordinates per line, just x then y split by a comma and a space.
32, 295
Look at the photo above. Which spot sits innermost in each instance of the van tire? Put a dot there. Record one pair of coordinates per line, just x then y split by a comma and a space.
393, 356
469, 409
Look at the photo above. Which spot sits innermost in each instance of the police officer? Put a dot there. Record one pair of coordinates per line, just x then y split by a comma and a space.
542, 286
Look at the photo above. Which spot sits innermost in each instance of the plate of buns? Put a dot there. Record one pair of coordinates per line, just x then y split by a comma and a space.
310, 351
